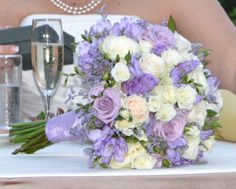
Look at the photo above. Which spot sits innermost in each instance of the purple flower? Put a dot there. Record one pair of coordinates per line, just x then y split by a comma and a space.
134, 31
108, 105
172, 130
213, 84
174, 156
183, 69
140, 85
101, 28
135, 68
106, 146
160, 37
95, 92
204, 135
180, 142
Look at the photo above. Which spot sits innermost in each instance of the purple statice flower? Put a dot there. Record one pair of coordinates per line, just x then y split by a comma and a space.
135, 68
108, 105
213, 83
160, 37
108, 147
134, 31
204, 135
174, 156
180, 142
140, 85
181, 70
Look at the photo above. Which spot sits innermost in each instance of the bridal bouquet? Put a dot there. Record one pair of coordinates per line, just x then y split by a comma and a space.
147, 102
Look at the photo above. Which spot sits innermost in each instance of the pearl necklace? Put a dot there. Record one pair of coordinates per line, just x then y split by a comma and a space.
76, 10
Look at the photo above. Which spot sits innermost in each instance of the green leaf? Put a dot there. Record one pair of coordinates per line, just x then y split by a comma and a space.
205, 52
76, 70
66, 81
172, 24
211, 113
128, 57
117, 58
41, 116
165, 163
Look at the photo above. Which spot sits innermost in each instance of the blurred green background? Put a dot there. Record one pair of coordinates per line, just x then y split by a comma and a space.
230, 7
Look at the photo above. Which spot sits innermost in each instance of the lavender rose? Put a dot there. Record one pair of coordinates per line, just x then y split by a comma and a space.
160, 37
108, 106
173, 129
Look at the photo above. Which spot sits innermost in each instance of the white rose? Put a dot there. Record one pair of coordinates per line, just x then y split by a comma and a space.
193, 147
119, 45
120, 72
199, 77
186, 97
154, 103
145, 46
138, 108
152, 64
126, 127
166, 113
167, 93
198, 114
144, 161
186, 56
171, 58
207, 144
193, 131
182, 43
125, 114
134, 150
219, 102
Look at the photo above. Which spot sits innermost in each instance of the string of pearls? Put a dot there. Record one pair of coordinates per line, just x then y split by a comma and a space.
76, 10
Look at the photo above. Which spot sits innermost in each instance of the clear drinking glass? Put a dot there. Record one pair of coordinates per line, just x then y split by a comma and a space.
10, 89
47, 49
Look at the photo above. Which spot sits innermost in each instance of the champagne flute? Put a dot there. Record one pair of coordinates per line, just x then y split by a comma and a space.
47, 49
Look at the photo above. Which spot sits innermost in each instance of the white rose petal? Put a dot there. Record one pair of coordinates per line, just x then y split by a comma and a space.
167, 93
120, 72
186, 56
182, 43
199, 77
207, 144
119, 45
193, 147
193, 131
145, 46
144, 161
171, 57
186, 96
125, 114
126, 127
154, 103
152, 64
198, 114
166, 113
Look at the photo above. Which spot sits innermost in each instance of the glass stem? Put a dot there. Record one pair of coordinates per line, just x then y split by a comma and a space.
47, 105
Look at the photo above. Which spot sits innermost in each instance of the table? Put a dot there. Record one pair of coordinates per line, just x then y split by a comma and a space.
64, 166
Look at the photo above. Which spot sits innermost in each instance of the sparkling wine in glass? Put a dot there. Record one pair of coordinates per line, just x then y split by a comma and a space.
47, 49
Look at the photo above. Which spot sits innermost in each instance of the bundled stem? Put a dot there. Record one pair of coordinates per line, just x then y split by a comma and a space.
31, 136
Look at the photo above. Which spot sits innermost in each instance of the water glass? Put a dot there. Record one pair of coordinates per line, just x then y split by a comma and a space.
10, 89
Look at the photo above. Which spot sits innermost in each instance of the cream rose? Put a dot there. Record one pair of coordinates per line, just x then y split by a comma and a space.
119, 45
186, 96
138, 108
207, 144
167, 92
134, 150
198, 114
166, 113
152, 64
154, 103
199, 77
120, 72
125, 127
182, 43
145, 46
193, 147
171, 57
144, 161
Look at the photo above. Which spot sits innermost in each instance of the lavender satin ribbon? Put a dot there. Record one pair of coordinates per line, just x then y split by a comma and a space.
58, 128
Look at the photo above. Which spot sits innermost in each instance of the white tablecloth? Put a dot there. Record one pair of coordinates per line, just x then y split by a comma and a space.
67, 160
